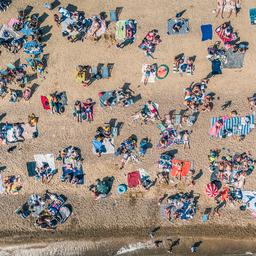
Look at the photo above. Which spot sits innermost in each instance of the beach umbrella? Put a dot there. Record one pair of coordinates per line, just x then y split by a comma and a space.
211, 190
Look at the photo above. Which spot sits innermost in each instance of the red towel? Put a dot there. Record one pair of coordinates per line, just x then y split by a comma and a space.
133, 179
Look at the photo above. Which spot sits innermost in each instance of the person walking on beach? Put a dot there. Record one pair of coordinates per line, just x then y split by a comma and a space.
195, 246
173, 244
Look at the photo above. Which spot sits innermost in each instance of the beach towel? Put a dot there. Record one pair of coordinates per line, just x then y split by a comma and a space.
107, 98
184, 169
206, 31
233, 59
216, 67
41, 159
31, 168
12, 21
133, 179
233, 126
120, 30
45, 102
249, 199
252, 16
29, 132
33, 47
143, 174
8, 33
224, 38
2, 189
77, 173
65, 23
184, 29
152, 76
106, 147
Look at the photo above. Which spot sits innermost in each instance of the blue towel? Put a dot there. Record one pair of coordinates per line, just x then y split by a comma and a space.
252, 14
206, 32
216, 67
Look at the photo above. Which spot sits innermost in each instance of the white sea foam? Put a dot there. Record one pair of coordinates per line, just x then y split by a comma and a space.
134, 247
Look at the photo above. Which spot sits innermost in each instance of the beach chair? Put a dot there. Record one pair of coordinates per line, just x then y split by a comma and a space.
161, 127
113, 15
191, 120
10, 66
104, 72
177, 118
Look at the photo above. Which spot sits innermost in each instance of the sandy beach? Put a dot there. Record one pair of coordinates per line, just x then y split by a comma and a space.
134, 213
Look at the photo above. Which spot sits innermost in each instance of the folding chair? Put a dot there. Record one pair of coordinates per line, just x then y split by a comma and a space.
104, 72
113, 15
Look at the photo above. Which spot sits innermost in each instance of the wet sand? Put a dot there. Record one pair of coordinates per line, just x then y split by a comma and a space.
133, 216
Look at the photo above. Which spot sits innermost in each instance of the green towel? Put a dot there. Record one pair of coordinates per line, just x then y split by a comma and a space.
120, 30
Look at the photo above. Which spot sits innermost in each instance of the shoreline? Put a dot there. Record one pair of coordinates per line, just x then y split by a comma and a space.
207, 231
69, 245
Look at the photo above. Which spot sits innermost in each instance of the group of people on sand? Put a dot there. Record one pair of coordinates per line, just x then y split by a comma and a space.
150, 41
83, 110
228, 174
196, 99
76, 27
229, 6
183, 65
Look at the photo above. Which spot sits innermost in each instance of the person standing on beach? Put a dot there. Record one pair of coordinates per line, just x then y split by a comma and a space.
220, 7
195, 246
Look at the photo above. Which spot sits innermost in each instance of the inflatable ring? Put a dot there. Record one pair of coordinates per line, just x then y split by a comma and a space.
121, 189
162, 71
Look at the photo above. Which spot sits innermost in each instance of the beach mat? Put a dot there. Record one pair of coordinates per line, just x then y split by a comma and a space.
76, 172
206, 31
152, 77
184, 29
234, 59
184, 170
29, 131
31, 168
47, 158
234, 125
108, 145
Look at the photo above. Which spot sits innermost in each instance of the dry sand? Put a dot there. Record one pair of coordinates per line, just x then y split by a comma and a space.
55, 132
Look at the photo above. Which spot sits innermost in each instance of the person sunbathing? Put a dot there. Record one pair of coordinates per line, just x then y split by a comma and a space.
27, 94
32, 120
252, 103
177, 27
88, 109
190, 65
78, 111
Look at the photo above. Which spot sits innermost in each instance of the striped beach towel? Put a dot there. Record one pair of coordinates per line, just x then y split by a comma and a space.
234, 125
